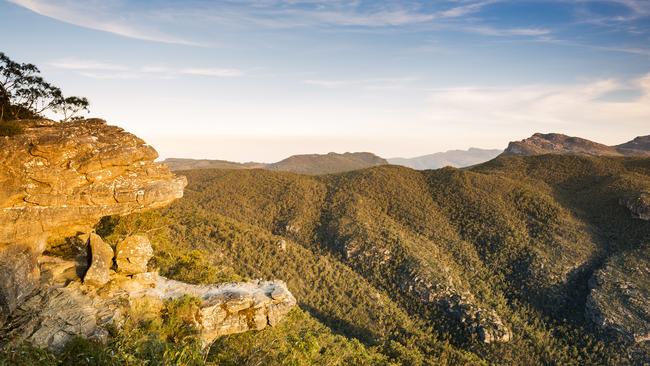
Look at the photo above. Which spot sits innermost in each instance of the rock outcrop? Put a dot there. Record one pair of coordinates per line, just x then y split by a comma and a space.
64, 307
57, 181
620, 295
132, 254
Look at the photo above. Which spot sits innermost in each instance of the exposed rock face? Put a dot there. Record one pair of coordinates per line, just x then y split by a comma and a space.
639, 206
555, 143
620, 296
101, 255
18, 277
62, 178
57, 179
64, 307
132, 254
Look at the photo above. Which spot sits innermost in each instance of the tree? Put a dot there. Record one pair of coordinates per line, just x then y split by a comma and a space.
69, 107
25, 94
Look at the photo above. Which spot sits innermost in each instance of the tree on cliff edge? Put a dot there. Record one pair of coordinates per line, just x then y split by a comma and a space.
25, 94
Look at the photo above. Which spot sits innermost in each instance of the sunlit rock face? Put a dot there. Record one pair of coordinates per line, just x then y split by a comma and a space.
57, 179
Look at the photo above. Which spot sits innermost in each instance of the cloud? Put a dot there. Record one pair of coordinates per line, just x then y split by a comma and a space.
105, 70
490, 31
548, 107
217, 72
98, 15
367, 84
81, 64
463, 10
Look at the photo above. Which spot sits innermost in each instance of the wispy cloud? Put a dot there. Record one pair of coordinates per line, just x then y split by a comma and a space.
98, 15
82, 64
367, 84
212, 71
578, 105
106, 70
466, 9
490, 31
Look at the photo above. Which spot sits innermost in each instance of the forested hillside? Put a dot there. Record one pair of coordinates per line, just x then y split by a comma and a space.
491, 264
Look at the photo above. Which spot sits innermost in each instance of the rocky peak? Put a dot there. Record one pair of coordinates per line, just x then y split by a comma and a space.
555, 143
640, 146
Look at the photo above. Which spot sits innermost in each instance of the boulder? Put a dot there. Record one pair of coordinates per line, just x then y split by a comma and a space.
101, 261
132, 254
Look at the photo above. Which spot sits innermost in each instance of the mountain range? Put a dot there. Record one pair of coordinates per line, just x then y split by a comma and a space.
303, 164
453, 158
537, 144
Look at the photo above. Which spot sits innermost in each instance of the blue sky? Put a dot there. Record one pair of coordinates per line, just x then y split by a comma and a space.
261, 80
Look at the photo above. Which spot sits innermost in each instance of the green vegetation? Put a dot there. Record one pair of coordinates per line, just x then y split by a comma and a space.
10, 128
374, 257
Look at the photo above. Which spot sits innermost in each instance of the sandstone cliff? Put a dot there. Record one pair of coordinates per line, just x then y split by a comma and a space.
57, 181
60, 179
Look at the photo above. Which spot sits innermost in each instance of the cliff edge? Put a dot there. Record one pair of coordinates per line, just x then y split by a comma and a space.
57, 180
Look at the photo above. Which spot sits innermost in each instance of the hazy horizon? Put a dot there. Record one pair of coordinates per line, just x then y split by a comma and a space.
263, 80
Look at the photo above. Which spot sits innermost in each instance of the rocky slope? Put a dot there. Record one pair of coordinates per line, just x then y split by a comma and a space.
57, 181
555, 143
453, 158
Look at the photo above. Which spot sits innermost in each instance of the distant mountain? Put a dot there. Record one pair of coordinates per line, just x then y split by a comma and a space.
187, 164
312, 164
555, 143
315, 164
454, 158
639, 146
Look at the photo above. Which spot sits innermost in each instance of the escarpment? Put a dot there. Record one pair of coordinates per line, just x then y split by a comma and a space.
56, 181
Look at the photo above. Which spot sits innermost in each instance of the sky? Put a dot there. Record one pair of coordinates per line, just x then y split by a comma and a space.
248, 80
